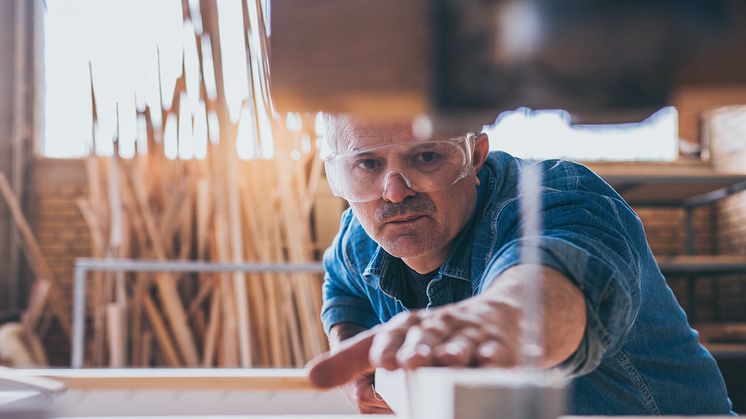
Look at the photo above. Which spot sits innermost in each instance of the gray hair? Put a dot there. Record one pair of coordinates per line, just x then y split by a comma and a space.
336, 127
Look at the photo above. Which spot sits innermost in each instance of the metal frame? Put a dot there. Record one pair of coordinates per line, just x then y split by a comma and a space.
85, 265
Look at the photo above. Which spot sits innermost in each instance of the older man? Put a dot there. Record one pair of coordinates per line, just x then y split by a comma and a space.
428, 258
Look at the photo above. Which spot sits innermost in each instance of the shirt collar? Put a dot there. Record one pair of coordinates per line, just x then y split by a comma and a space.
377, 267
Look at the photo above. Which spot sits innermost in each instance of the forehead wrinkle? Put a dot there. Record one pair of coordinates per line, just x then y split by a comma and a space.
363, 135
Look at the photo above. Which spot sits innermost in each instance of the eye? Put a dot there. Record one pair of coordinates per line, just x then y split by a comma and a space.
367, 164
426, 157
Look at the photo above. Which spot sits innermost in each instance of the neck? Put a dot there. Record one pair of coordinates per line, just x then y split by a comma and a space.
429, 262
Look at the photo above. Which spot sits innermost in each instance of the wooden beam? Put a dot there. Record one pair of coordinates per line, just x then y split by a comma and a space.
36, 259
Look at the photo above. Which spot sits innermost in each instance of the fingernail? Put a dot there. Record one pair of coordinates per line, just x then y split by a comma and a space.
487, 351
453, 349
424, 350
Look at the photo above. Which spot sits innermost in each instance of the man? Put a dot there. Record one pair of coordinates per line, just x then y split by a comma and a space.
428, 257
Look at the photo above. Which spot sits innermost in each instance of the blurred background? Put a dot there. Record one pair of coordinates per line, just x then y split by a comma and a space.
191, 130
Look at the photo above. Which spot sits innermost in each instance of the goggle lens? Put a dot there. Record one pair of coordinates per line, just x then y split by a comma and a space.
425, 166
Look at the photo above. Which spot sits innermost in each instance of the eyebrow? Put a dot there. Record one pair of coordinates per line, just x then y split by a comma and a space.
362, 153
429, 144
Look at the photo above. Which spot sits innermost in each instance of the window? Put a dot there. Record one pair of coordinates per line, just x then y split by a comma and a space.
549, 134
125, 41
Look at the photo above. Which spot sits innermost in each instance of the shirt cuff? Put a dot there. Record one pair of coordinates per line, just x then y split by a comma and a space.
347, 309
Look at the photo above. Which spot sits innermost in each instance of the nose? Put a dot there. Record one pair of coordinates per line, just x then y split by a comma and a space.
396, 189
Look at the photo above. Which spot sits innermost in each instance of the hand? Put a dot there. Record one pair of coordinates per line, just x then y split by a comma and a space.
480, 331
361, 393
475, 332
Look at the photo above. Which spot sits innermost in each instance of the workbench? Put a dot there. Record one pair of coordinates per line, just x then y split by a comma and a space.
194, 393
358, 417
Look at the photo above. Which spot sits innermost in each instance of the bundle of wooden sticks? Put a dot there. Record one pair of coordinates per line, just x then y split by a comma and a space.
220, 208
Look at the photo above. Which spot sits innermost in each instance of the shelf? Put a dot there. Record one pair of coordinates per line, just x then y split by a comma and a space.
702, 264
723, 340
669, 184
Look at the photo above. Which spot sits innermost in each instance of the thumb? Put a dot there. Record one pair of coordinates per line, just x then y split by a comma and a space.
351, 359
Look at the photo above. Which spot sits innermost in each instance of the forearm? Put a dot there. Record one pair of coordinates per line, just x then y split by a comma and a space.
479, 331
562, 304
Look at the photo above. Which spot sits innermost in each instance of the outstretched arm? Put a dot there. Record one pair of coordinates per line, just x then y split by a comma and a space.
484, 330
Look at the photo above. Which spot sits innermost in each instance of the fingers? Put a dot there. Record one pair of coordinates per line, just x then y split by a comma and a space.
361, 392
459, 350
496, 354
389, 340
368, 401
351, 359
458, 336
421, 340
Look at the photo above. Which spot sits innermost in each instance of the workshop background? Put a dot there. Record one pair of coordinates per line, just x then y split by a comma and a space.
271, 204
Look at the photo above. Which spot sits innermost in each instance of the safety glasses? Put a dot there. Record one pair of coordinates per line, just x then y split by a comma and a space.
425, 165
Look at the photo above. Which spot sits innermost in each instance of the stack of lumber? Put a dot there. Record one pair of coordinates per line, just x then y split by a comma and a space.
45, 295
219, 208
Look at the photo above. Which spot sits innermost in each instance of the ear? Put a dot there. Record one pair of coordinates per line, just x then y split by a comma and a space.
481, 150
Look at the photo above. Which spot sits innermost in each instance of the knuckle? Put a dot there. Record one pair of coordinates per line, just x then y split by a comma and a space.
359, 394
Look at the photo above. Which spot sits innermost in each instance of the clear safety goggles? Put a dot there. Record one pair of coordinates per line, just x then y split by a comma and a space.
428, 165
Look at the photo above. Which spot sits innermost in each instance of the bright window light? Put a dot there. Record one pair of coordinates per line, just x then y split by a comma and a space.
548, 134
123, 40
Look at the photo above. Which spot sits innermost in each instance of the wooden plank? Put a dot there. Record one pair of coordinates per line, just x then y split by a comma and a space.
89, 216
256, 208
702, 264
200, 325
183, 378
186, 225
142, 282
237, 253
258, 304
35, 307
167, 289
30, 319
146, 351
213, 329
36, 259
98, 250
161, 333
295, 229
721, 332
117, 330
204, 210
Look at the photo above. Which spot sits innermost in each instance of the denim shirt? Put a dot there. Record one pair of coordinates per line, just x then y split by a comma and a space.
638, 355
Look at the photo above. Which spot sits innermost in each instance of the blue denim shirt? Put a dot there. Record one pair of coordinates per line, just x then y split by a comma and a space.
638, 356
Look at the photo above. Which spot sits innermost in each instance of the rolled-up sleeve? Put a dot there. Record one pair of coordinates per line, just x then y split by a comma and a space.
594, 240
344, 299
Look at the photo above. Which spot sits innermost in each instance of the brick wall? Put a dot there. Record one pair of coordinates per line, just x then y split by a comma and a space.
61, 231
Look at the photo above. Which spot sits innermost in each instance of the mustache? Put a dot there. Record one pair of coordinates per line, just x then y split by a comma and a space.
416, 204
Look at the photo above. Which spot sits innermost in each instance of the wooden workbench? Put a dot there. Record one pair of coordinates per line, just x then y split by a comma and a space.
367, 416
91, 380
